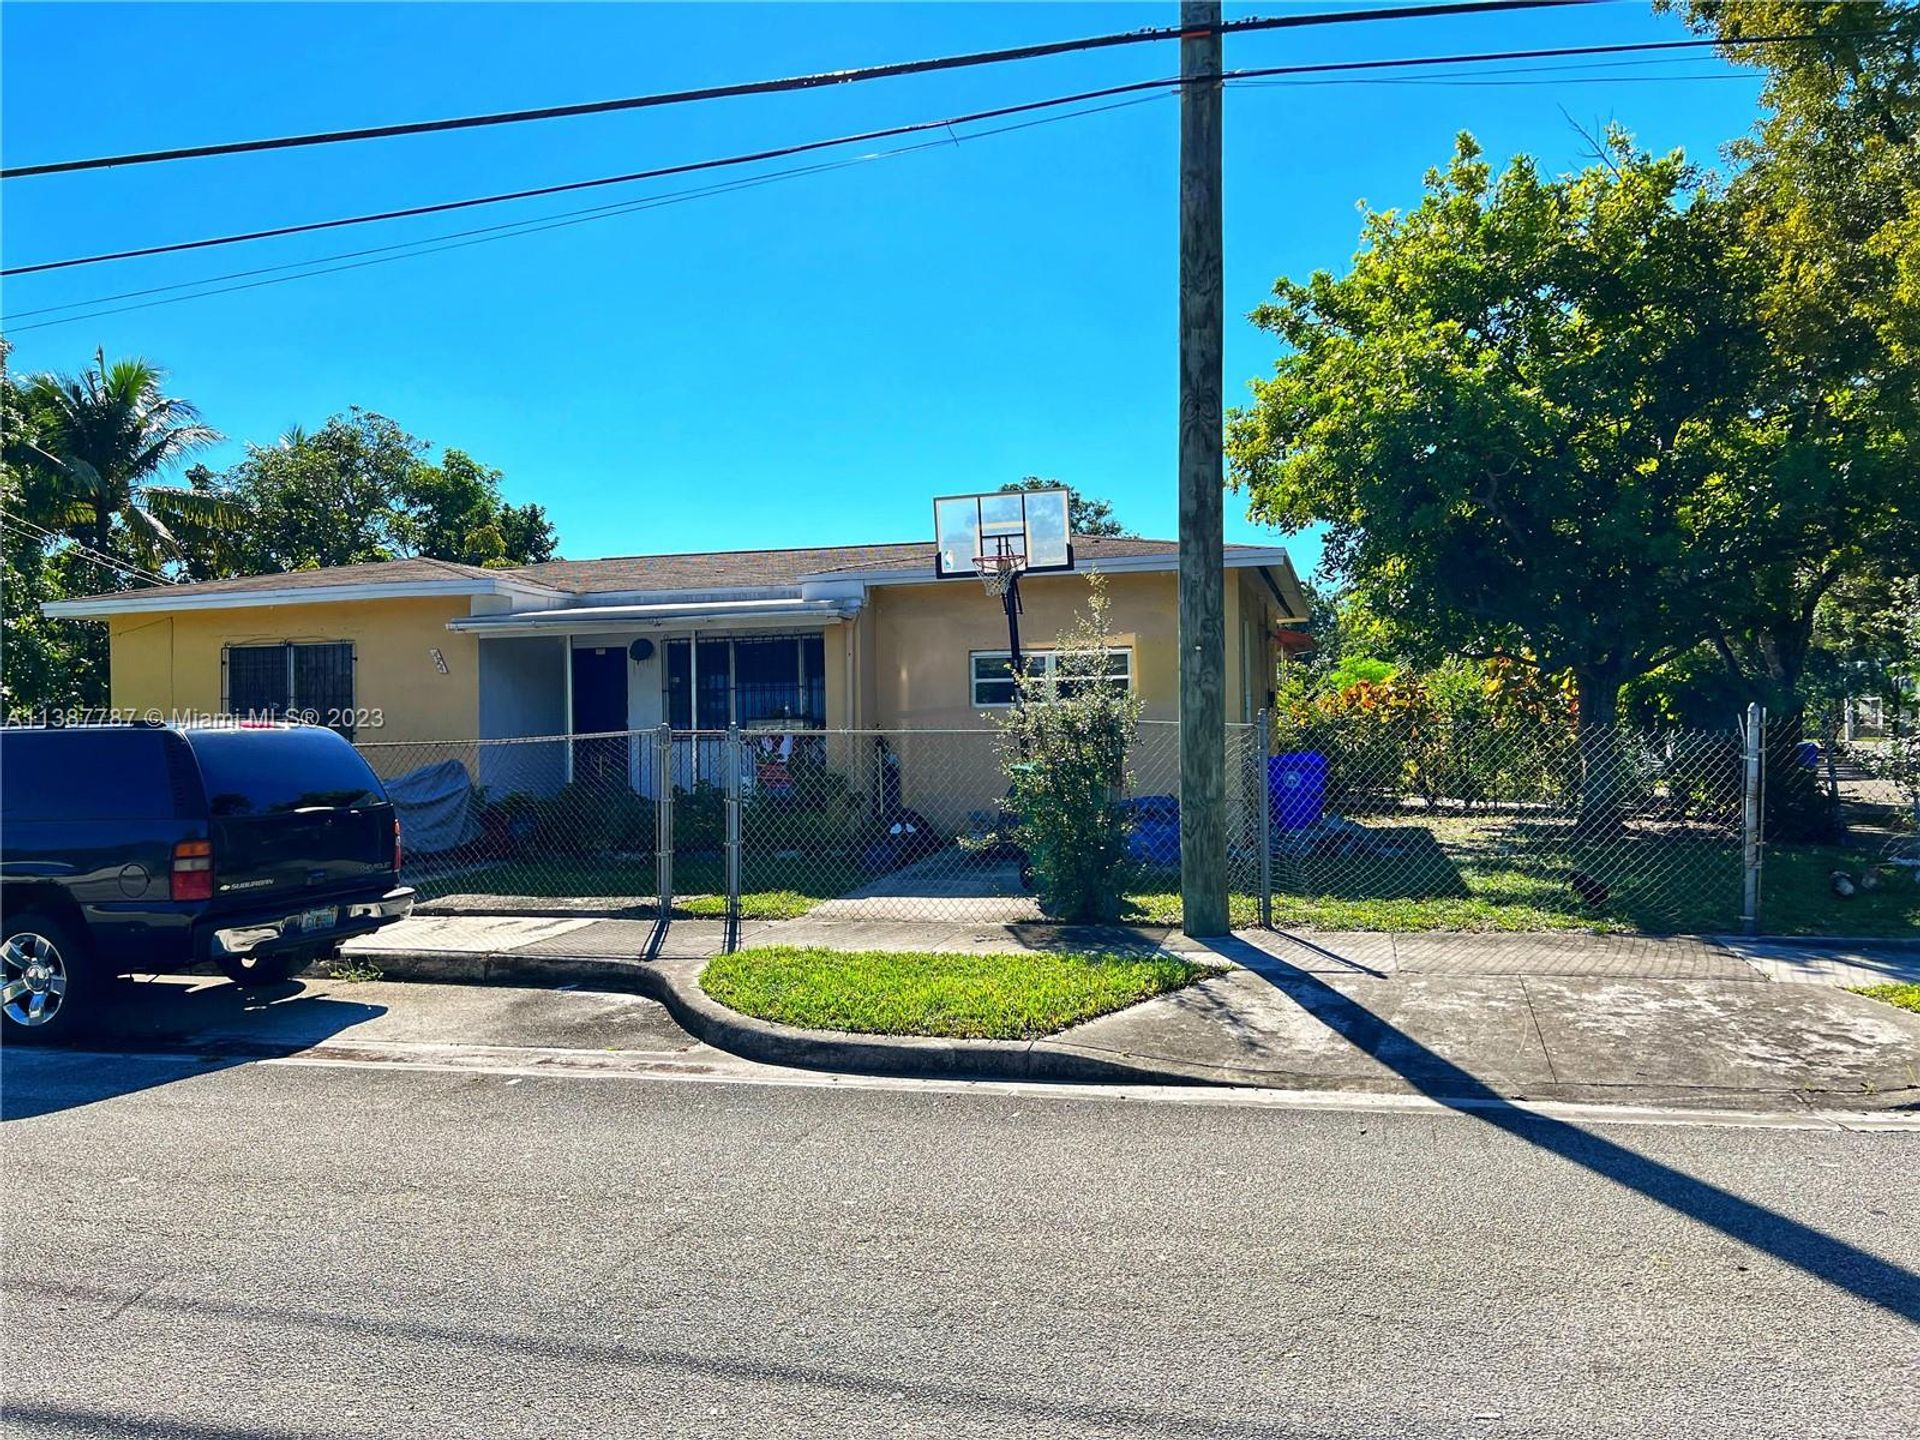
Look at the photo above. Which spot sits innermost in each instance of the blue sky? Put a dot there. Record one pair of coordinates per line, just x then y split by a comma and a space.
803, 362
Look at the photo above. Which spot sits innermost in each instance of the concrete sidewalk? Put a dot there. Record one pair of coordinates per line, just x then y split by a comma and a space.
1564, 1017
1493, 953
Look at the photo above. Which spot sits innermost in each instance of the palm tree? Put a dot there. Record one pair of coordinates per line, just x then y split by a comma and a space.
102, 437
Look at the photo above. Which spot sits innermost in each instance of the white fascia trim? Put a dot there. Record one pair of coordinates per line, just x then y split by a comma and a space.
1118, 565
709, 594
608, 619
165, 598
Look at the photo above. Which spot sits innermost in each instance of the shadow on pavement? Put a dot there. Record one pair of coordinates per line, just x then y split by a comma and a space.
46, 1419
587, 1353
164, 1029
1860, 1272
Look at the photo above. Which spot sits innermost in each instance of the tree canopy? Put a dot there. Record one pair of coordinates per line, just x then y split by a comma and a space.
1505, 411
361, 488
1638, 418
89, 505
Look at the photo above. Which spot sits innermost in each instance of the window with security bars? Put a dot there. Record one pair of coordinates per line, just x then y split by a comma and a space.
992, 674
755, 681
312, 681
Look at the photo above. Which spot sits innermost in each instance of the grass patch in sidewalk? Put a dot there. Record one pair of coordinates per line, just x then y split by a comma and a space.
1907, 997
986, 996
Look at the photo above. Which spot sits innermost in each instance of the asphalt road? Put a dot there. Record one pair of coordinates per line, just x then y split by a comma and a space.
489, 1237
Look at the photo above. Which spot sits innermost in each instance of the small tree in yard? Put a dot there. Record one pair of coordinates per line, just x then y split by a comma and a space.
1065, 746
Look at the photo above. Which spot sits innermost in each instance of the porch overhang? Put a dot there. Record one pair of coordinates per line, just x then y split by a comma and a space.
784, 614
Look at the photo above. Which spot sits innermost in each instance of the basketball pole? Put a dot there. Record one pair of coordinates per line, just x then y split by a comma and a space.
1203, 732
1012, 602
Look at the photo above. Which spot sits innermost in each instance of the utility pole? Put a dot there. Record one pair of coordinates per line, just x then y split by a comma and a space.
1203, 730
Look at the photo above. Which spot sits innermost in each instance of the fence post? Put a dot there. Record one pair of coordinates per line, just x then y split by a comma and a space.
734, 758
1752, 812
663, 818
1263, 745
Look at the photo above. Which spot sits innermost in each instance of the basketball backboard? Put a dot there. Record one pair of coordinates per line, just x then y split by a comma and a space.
1030, 523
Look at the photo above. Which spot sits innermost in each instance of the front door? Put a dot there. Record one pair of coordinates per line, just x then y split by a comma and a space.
600, 707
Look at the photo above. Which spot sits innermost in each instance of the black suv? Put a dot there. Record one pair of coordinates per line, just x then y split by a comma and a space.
141, 848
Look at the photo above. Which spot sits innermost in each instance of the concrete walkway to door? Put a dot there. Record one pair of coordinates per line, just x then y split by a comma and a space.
938, 891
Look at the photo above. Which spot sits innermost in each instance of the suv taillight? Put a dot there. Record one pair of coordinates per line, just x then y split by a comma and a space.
396, 843
193, 870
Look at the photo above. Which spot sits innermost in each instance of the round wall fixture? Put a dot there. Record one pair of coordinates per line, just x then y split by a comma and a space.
641, 649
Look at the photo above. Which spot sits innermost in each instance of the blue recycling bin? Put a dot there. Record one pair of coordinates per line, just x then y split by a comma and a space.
1153, 833
1296, 789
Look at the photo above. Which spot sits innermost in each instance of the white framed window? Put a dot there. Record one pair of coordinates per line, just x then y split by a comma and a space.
991, 673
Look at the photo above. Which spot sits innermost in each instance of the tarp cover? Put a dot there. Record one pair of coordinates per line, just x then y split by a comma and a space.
435, 804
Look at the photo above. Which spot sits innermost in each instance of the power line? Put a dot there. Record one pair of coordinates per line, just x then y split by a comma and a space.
804, 147
430, 245
771, 87
459, 239
87, 552
661, 172
507, 230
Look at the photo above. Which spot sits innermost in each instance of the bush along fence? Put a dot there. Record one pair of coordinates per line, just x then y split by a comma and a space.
1399, 825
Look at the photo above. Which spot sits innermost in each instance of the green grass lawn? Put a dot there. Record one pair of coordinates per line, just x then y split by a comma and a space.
1907, 997
1013, 996
1449, 873
1797, 895
771, 890
1493, 873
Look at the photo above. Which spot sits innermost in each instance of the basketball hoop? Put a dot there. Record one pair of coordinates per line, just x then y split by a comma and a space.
998, 569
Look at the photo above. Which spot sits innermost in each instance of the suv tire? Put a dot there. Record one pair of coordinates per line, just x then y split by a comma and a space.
49, 987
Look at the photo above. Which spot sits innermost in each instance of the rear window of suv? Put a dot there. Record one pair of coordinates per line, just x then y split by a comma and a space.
84, 775
269, 772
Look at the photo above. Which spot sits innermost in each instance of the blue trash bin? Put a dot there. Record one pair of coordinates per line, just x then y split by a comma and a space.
1296, 789
1153, 835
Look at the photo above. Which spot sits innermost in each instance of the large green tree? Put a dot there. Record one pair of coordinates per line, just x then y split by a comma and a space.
1505, 412
454, 511
91, 447
44, 664
361, 488
1825, 202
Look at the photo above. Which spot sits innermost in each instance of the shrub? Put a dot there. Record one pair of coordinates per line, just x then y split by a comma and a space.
700, 819
582, 818
1065, 747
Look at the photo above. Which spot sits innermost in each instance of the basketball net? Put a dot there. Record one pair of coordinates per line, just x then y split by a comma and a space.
998, 569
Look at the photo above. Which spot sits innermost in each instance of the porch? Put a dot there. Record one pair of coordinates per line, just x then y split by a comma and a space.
778, 669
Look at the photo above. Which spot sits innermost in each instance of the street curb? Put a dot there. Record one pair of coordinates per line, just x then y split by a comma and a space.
675, 983
1887, 942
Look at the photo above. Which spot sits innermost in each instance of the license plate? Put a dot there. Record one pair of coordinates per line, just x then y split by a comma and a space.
322, 918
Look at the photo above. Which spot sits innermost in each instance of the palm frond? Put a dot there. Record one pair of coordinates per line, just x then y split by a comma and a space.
198, 506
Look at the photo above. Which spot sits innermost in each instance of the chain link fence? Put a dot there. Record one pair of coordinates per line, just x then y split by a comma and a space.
1405, 824
1386, 825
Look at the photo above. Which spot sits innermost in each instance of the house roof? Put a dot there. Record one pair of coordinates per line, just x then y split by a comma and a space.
562, 581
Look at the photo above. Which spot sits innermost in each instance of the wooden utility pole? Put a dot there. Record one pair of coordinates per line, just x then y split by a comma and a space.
1203, 730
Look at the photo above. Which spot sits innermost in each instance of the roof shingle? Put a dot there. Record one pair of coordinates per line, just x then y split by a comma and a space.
687, 572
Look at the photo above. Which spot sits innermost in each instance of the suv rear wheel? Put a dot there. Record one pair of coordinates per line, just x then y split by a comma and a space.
47, 982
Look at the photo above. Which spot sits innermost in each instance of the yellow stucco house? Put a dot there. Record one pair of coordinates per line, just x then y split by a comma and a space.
845, 638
